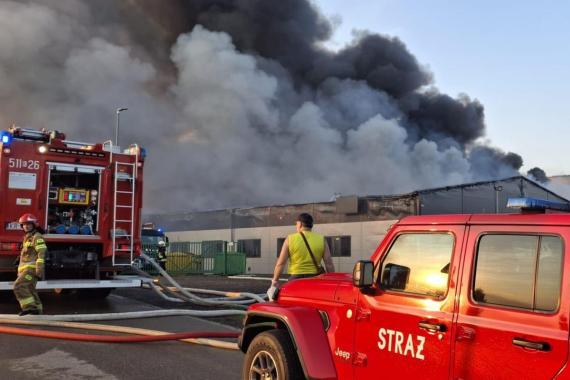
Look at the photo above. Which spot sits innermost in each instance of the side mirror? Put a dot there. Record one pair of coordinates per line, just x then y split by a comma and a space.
363, 274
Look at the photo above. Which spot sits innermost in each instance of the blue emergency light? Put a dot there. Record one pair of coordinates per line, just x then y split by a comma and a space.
537, 204
6, 137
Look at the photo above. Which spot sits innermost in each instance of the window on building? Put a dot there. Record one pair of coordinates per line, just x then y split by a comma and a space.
418, 264
280, 242
211, 247
339, 245
522, 271
251, 247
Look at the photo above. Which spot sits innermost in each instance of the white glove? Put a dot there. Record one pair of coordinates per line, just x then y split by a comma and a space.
272, 293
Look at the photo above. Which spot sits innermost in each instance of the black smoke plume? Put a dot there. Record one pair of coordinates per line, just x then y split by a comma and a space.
538, 174
238, 102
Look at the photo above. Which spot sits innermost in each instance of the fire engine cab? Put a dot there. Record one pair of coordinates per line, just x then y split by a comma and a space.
443, 297
87, 197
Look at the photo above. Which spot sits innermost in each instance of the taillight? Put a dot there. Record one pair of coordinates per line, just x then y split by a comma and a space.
9, 246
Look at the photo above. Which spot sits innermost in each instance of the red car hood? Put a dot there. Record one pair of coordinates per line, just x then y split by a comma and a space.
321, 288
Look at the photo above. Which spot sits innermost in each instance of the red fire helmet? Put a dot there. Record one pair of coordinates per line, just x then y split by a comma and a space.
28, 218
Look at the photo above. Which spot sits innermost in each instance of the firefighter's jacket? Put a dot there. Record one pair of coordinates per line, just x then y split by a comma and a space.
33, 253
161, 254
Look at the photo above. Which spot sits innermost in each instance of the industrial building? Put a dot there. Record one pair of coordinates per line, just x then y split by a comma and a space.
353, 225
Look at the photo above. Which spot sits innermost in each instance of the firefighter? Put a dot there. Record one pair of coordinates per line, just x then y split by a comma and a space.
31, 266
162, 254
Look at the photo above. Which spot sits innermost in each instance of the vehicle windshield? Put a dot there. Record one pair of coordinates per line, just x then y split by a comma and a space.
152, 236
151, 239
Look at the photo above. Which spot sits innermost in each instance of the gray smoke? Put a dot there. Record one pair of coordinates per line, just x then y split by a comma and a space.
237, 102
538, 175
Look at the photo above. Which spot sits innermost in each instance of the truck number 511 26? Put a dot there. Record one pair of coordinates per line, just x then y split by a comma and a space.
18, 163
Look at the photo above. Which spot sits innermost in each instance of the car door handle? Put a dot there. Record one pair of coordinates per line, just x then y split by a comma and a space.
432, 327
540, 346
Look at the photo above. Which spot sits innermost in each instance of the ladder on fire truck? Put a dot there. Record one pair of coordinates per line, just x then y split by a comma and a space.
123, 206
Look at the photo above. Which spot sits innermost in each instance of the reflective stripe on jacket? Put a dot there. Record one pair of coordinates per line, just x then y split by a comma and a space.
33, 252
161, 253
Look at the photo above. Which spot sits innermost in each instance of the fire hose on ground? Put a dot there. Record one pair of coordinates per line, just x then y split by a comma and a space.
145, 335
129, 315
233, 299
70, 321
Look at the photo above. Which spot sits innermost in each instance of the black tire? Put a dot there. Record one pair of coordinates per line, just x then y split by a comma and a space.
271, 355
99, 293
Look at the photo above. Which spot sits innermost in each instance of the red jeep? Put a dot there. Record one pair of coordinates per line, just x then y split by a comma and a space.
443, 297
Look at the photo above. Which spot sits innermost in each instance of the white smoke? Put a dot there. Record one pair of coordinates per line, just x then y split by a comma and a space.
559, 185
227, 129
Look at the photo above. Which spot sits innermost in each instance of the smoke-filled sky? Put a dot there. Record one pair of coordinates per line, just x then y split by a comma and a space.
239, 102
511, 55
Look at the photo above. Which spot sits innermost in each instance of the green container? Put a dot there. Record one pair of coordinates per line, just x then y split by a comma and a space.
232, 263
205, 257
184, 263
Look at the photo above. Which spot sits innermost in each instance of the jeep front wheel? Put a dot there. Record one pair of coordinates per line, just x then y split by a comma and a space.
271, 356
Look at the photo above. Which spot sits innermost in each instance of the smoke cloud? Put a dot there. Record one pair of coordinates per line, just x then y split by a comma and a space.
538, 175
237, 102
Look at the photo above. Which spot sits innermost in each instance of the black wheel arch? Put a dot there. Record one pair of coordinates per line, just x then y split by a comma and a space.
280, 355
256, 325
306, 329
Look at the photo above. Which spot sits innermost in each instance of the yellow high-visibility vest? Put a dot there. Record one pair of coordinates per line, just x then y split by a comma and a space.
300, 261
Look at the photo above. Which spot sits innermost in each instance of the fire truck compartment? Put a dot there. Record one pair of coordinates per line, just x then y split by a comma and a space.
73, 199
72, 260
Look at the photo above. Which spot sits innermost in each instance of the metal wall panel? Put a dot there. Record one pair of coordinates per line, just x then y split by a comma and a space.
481, 197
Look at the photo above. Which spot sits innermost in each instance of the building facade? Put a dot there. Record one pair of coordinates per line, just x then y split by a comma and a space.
352, 225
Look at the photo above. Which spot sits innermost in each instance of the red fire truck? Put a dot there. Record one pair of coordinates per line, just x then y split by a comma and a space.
87, 197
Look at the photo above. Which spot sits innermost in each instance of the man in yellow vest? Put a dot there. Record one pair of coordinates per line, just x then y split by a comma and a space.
298, 247
31, 266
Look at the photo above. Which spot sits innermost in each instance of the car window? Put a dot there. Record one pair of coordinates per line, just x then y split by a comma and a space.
522, 271
418, 263
549, 277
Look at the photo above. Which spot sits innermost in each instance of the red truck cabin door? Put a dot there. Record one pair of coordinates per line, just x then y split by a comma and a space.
513, 312
408, 331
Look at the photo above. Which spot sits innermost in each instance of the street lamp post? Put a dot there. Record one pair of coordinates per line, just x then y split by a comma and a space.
498, 188
119, 110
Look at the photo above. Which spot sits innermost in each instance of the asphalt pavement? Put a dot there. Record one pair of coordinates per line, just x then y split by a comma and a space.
30, 358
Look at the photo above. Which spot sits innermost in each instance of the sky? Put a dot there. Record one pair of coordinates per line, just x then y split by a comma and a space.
365, 109
511, 56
